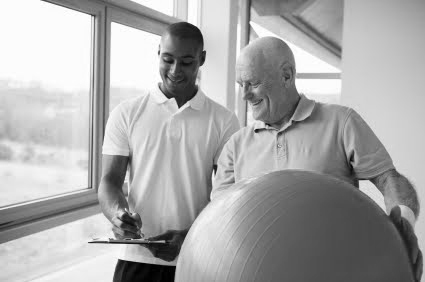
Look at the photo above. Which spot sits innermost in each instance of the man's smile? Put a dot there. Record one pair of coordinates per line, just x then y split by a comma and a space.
255, 103
176, 79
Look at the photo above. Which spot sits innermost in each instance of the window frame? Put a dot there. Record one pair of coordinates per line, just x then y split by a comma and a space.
23, 219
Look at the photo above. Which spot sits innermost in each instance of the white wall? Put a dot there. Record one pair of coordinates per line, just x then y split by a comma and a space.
383, 78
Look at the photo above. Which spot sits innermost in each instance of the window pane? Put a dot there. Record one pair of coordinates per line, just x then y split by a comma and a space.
321, 90
163, 6
192, 12
304, 61
54, 254
44, 100
134, 63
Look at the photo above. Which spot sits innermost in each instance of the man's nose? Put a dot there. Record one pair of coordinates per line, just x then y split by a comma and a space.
175, 68
246, 92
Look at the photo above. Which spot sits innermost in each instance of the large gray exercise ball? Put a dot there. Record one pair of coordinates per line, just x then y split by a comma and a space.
293, 226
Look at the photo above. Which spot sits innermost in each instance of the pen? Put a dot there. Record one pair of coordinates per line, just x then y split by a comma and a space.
131, 214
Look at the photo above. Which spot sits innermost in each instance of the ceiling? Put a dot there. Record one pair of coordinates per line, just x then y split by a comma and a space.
314, 25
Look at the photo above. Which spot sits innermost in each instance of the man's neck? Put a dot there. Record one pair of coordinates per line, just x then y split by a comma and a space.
282, 122
181, 98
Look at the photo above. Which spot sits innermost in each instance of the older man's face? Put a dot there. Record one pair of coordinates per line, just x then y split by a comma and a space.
263, 88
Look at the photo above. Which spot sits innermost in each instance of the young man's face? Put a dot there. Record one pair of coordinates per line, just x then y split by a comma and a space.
179, 62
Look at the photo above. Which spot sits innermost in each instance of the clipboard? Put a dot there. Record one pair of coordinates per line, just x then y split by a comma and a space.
125, 241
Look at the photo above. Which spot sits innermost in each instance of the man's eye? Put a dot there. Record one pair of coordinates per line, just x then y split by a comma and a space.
187, 63
167, 60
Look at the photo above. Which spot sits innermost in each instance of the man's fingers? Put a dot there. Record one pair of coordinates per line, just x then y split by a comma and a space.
419, 267
132, 217
165, 236
411, 239
121, 234
118, 223
395, 215
167, 253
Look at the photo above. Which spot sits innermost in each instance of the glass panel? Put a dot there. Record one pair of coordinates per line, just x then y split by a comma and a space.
192, 11
134, 63
163, 6
65, 254
305, 62
44, 100
321, 90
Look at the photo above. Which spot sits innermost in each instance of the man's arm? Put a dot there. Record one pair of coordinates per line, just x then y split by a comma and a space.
112, 199
397, 190
224, 176
402, 205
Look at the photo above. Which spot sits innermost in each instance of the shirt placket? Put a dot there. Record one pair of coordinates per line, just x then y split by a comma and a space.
174, 129
281, 153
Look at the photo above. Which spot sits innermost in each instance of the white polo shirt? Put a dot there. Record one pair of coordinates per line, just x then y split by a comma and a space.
172, 152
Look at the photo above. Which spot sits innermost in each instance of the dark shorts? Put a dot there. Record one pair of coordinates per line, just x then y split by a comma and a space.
129, 271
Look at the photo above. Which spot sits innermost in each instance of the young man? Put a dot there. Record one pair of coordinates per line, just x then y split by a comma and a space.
170, 139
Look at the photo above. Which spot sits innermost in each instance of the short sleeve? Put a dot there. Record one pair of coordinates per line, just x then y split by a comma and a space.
116, 140
231, 126
225, 175
365, 153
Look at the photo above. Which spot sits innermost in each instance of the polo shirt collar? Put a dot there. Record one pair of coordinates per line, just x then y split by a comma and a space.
304, 109
195, 103
158, 96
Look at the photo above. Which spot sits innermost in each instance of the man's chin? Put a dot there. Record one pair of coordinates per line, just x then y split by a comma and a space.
175, 86
257, 116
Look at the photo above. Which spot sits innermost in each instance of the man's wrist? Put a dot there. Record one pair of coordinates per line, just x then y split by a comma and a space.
408, 214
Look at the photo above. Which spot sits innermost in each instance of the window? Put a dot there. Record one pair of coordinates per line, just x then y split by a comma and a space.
24, 260
44, 100
55, 98
163, 6
134, 63
57, 83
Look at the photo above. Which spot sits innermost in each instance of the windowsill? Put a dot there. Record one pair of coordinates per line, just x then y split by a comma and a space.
99, 268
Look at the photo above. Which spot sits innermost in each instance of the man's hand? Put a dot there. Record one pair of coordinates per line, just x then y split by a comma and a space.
126, 225
169, 251
410, 240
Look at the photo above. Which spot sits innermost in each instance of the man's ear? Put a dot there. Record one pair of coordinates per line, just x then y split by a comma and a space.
159, 49
288, 74
203, 56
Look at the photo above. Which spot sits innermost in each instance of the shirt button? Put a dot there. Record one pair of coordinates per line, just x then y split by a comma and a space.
279, 145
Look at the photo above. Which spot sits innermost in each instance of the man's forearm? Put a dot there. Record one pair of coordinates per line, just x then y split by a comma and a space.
397, 190
111, 198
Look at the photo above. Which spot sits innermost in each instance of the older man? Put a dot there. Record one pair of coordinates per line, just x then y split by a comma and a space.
294, 132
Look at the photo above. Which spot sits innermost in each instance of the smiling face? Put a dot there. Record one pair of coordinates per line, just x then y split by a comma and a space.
262, 87
179, 62
265, 72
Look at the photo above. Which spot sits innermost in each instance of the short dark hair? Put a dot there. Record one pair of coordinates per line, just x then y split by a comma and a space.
185, 30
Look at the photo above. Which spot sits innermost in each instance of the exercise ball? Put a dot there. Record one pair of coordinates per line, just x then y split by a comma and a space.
293, 226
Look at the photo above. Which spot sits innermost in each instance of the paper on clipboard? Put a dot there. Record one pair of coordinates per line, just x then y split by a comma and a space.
125, 241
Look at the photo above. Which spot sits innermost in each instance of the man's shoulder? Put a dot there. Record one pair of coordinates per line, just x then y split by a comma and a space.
243, 133
218, 112
129, 103
216, 107
332, 110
